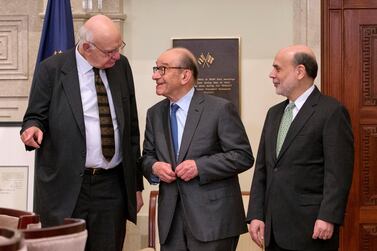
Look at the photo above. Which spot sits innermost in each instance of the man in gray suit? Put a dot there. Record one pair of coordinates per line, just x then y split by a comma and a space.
301, 181
81, 170
196, 159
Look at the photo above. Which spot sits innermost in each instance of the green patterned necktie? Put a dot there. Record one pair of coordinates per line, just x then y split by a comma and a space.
285, 123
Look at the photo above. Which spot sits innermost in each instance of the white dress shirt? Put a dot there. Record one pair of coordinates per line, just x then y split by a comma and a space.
94, 156
300, 101
184, 105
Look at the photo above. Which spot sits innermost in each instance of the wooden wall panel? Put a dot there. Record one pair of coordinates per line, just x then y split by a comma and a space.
350, 40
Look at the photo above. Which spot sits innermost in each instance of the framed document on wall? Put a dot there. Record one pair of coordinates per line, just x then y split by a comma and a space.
14, 187
16, 169
218, 61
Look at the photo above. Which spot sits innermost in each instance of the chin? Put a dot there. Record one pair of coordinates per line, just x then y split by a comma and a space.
159, 93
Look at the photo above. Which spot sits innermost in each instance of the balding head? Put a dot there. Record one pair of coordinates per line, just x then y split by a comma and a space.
186, 59
302, 55
175, 73
294, 71
100, 29
100, 42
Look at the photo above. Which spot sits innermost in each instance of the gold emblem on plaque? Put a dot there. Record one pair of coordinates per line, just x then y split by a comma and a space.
205, 60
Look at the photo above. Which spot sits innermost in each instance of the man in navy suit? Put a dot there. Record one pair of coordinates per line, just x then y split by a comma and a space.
78, 173
300, 186
200, 205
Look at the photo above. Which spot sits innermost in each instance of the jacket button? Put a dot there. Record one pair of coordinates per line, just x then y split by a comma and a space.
275, 169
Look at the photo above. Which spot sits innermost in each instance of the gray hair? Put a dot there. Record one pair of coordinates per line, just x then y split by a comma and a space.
85, 35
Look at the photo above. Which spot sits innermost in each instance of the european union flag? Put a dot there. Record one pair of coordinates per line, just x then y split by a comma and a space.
57, 34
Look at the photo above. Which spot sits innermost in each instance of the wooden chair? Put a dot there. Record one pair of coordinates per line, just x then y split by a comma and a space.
11, 240
18, 219
70, 236
152, 221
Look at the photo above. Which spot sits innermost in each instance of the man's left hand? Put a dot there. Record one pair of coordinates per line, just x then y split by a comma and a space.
187, 170
323, 230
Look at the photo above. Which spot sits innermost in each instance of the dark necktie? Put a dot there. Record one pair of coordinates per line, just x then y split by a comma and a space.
174, 127
106, 123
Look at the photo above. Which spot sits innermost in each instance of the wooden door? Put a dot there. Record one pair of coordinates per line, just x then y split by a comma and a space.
349, 73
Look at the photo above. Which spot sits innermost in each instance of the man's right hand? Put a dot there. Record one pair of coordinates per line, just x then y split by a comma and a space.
256, 230
32, 136
164, 171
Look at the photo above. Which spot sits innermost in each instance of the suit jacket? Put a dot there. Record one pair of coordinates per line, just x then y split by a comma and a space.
310, 178
55, 107
215, 138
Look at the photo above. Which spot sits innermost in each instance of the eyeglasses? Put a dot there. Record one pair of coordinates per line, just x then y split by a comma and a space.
162, 69
109, 53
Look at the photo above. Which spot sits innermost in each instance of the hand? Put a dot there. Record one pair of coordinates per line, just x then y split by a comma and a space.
32, 136
139, 201
164, 171
187, 170
323, 230
256, 230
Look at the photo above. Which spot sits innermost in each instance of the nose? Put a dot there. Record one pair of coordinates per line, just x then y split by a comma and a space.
116, 55
272, 73
156, 75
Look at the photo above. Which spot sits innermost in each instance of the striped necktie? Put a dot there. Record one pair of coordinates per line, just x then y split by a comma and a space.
284, 126
106, 123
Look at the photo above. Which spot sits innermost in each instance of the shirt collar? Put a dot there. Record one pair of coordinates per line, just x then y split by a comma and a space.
301, 100
83, 65
184, 102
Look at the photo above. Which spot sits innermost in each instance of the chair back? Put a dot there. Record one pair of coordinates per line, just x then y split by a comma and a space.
11, 240
153, 239
18, 219
70, 236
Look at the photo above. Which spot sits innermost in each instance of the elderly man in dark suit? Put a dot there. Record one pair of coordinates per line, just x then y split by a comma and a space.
82, 119
304, 165
195, 146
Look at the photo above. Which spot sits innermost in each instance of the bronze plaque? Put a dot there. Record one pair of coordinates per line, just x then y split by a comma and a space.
218, 60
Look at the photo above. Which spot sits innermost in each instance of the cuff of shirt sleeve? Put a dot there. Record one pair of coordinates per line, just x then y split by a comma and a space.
155, 180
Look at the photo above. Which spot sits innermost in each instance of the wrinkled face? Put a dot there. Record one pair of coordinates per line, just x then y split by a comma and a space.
104, 55
168, 76
284, 75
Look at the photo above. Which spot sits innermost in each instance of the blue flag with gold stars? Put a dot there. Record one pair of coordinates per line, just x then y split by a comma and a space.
57, 34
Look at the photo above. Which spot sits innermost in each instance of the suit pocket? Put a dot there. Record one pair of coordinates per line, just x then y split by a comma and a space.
220, 193
310, 199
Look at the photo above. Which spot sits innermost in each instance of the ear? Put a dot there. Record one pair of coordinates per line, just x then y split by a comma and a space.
300, 71
85, 46
186, 76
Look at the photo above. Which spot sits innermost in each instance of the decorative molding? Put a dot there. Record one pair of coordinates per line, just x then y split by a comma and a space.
368, 37
12, 109
13, 47
368, 236
368, 162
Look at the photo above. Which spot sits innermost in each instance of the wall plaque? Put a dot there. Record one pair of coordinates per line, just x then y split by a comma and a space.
218, 60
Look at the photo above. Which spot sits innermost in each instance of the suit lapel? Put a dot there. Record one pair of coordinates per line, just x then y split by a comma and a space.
302, 117
165, 116
192, 121
71, 86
